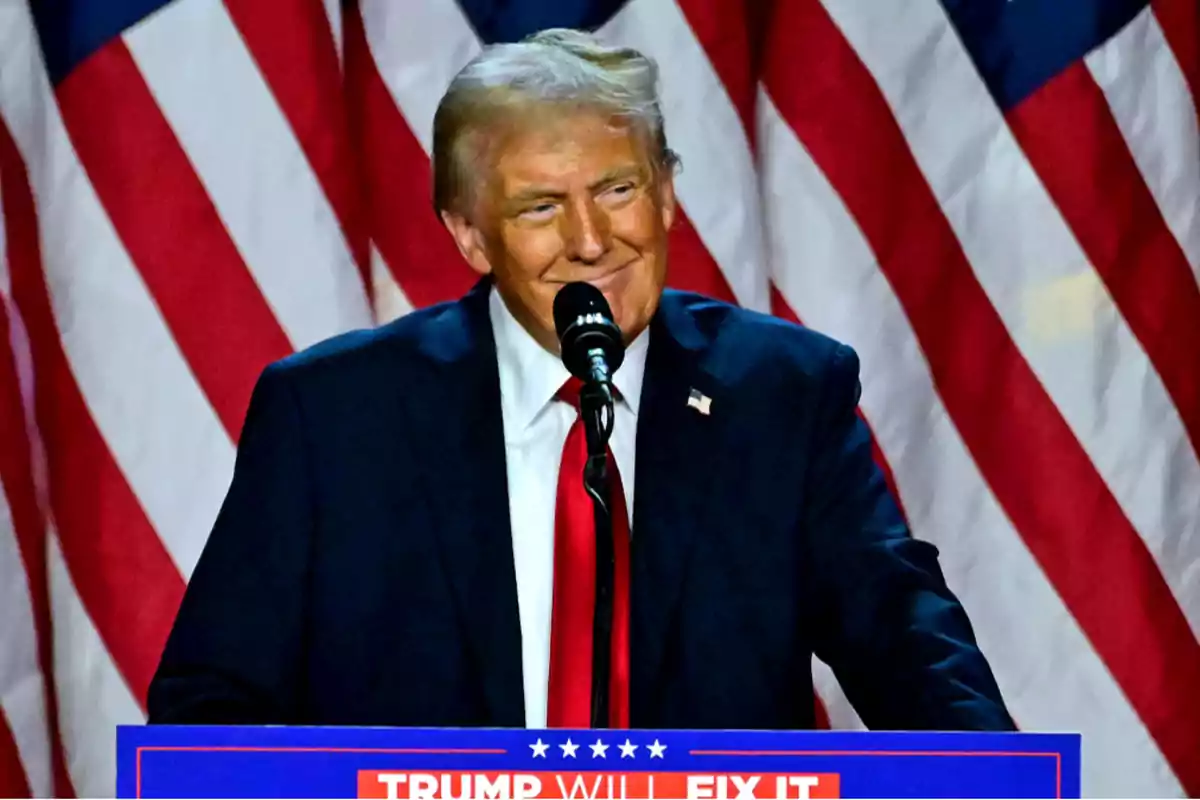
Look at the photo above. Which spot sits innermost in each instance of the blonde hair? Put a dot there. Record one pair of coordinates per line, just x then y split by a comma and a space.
556, 67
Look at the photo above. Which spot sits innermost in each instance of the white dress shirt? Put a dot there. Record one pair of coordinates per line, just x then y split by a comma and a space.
535, 429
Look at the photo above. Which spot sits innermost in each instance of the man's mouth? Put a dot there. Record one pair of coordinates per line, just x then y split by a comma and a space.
608, 279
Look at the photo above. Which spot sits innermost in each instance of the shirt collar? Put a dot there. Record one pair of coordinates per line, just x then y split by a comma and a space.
530, 375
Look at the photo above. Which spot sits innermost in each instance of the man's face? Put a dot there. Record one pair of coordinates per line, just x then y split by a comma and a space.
574, 198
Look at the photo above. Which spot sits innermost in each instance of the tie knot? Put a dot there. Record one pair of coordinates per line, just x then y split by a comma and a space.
569, 393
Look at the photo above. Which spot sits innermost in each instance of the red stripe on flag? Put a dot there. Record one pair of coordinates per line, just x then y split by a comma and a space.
1033, 463
1068, 132
170, 227
820, 715
398, 178
690, 266
724, 32
1180, 23
293, 45
13, 782
124, 576
16, 477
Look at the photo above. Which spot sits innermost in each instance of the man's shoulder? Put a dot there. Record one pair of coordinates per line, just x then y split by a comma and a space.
744, 342
391, 350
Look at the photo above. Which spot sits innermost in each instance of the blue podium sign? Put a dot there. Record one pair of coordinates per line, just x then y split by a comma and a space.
445, 764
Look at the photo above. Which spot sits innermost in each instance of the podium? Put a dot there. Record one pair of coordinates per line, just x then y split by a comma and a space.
436, 764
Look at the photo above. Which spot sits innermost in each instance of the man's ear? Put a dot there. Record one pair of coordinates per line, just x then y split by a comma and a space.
469, 240
666, 199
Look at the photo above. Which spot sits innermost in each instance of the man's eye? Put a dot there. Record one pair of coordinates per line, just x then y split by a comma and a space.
619, 192
540, 211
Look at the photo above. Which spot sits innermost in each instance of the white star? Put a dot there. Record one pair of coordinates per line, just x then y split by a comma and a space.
539, 748
656, 749
569, 749
599, 749
627, 749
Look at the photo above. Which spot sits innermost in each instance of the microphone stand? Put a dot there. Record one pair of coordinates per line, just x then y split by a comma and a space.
596, 407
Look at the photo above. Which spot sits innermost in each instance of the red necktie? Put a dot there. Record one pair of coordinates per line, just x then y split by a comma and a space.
570, 691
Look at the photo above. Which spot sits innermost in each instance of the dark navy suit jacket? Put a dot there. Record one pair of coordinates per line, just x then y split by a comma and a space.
361, 568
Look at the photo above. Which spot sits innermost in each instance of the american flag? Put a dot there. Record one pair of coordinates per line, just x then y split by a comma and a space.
996, 202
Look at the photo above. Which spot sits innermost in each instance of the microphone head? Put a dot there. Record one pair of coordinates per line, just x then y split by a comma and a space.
584, 322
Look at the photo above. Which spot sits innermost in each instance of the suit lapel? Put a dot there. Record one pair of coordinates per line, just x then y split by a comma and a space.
460, 430
676, 447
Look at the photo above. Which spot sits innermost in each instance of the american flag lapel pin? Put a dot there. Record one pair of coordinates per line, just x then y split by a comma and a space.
700, 401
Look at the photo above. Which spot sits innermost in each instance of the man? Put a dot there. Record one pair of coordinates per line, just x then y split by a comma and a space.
403, 541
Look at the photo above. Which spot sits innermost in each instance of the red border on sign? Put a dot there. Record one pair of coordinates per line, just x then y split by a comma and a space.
500, 751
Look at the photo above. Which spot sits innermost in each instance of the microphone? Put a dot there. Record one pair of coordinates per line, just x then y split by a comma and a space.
592, 348
590, 341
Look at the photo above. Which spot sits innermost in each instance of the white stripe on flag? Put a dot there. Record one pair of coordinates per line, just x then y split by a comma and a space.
390, 300
22, 685
333, 11
1048, 672
202, 77
133, 377
1037, 277
1150, 100
842, 715
92, 696
418, 47
718, 184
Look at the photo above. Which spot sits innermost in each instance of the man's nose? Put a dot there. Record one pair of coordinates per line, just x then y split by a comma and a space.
587, 232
